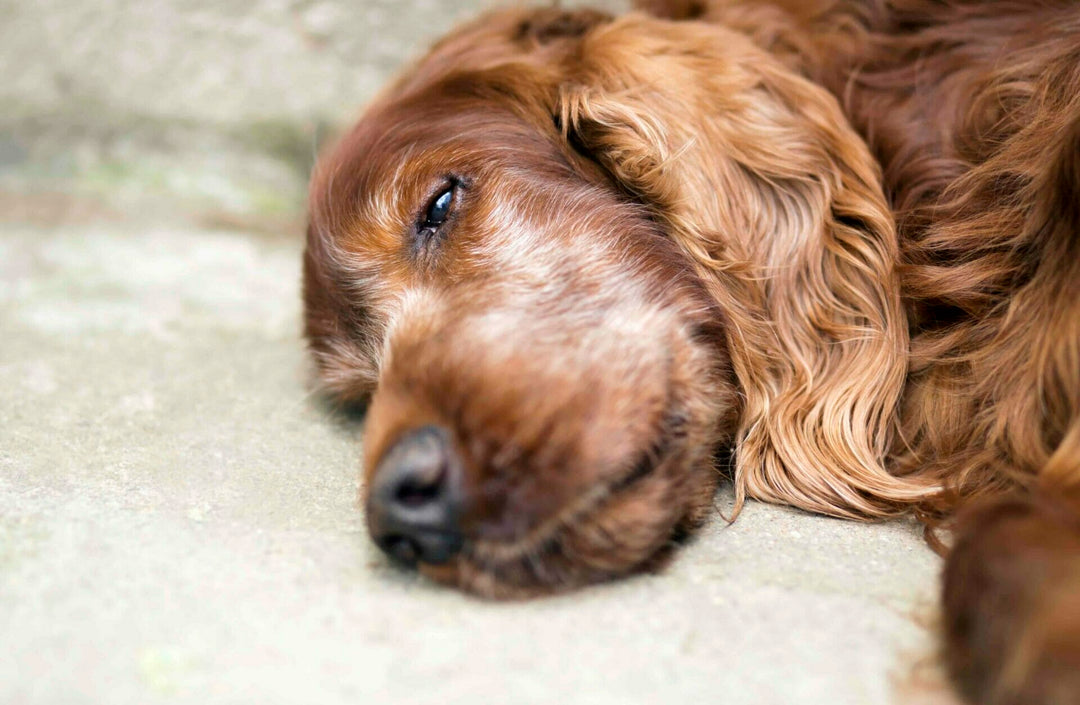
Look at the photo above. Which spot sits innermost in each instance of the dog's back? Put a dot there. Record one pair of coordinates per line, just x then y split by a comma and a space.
973, 110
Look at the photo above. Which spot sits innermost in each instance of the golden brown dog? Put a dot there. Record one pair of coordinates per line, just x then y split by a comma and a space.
584, 264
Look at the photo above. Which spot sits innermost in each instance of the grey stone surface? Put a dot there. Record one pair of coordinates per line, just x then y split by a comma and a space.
178, 520
178, 524
219, 61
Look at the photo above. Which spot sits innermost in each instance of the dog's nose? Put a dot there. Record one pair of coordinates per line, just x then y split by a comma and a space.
415, 502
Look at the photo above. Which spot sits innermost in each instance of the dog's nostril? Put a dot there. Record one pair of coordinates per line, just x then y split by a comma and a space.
415, 500
425, 485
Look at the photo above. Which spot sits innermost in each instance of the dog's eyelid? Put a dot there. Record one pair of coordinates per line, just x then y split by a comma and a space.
440, 204
438, 208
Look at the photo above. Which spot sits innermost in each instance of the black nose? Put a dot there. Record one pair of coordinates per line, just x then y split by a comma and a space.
414, 506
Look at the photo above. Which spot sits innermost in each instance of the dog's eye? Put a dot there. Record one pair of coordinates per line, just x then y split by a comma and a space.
439, 209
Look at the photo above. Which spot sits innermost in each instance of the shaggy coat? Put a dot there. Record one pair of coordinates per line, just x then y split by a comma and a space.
830, 248
973, 109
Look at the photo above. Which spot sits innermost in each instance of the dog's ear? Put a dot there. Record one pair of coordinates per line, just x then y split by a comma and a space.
778, 203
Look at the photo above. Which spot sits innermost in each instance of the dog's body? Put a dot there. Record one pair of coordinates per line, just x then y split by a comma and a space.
973, 110
574, 256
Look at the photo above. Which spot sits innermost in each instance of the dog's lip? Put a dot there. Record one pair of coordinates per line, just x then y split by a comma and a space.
492, 553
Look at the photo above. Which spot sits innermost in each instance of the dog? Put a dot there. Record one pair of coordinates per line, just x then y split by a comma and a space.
582, 268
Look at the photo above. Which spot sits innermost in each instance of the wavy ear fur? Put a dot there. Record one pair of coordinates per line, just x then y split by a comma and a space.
778, 203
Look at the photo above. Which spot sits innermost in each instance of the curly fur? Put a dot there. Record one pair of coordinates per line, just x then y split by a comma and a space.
837, 240
973, 109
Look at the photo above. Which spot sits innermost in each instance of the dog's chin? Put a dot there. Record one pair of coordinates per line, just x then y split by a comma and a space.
628, 526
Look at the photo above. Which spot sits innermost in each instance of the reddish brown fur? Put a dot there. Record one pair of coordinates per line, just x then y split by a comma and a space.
562, 301
973, 109
670, 241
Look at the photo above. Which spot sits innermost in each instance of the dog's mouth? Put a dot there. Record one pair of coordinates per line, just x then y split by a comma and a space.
594, 538
565, 472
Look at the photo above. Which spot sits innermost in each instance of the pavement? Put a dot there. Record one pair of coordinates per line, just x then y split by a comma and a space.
178, 514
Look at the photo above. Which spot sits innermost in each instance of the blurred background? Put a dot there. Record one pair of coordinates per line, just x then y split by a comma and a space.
191, 108
178, 517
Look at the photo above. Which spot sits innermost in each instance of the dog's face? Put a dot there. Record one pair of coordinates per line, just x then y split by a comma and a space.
549, 377
570, 257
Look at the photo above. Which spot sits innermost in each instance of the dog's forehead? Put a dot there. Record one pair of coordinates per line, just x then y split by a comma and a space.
456, 113
457, 126
438, 120
540, 37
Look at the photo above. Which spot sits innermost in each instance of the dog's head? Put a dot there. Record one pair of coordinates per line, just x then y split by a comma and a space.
568, 257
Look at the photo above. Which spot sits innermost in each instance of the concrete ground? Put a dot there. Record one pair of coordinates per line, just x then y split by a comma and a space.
178, 520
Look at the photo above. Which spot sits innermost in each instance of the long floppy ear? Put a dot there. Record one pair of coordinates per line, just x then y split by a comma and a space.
778, 203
